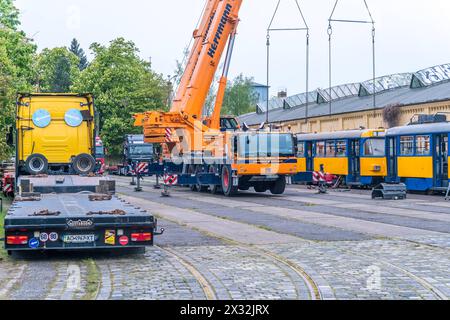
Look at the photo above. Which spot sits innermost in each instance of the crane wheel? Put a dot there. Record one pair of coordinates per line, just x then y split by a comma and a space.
260, 188
227, 182
279, 186
214, 189
83, 164
36, 164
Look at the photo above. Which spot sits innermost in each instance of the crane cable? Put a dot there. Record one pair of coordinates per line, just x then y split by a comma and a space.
330, 34
269, 30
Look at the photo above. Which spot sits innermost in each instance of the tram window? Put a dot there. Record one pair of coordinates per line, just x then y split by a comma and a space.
423, 146
320, 149
341, 148
331, 149
407, 146
374, 148
301, 149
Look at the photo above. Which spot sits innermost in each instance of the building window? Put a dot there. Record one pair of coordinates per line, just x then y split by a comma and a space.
341, 148
407, 146
320, 149
423, 146
374, 148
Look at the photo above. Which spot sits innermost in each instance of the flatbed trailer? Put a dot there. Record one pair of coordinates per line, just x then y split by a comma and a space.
74, 213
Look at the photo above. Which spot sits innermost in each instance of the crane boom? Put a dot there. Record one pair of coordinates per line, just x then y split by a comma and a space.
217, 28
210, 152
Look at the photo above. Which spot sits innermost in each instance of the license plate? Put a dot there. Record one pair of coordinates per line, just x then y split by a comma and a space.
79, 238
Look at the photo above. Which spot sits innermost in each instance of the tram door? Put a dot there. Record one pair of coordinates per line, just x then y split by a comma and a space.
392, 162
309, 156
354, 159
441, 160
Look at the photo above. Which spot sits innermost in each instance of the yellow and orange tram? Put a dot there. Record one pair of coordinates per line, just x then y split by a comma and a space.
357, 156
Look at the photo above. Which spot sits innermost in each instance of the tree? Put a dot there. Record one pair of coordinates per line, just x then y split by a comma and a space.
9, 15
123, 85
391, 115
17, 54
239, 97
79, 52
57, 70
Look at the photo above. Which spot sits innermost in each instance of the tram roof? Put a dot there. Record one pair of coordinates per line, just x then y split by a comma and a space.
428, 128
350, 134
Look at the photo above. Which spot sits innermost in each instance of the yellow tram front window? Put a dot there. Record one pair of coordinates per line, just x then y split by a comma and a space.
423, 146
374, 148
407, 146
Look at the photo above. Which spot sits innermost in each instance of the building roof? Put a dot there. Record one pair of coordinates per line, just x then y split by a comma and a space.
256, 84
425, 86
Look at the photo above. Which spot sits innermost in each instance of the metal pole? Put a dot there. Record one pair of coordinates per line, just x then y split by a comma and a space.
268, 77
374, 70
138, 187
157, 185
307, 78
330, 32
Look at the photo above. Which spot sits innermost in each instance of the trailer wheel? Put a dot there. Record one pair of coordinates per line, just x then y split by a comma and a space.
279, 187
36, 164
83, 164
227, 182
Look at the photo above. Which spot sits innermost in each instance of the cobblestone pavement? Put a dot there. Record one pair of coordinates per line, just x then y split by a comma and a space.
297, 246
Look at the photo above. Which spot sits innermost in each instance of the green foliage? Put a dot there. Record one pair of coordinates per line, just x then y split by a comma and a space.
123, 85
17, 54
9, 15
76, 50
56, 70
239, 97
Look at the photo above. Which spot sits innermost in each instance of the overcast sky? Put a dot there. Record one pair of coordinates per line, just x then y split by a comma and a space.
411, 35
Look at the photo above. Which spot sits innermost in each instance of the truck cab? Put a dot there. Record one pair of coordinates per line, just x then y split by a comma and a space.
136, 151
55, 134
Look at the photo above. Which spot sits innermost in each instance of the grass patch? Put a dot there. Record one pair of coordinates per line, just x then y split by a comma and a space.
93, 280
265, 228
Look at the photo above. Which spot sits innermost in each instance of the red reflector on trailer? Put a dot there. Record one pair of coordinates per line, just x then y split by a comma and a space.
141, 237
16, 240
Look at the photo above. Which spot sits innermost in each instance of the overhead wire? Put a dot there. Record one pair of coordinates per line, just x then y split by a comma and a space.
330, 61
268, 44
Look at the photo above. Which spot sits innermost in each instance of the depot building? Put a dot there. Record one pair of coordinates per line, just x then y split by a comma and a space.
390, 101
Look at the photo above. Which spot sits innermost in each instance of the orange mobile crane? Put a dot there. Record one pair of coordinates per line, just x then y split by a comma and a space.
212, 152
